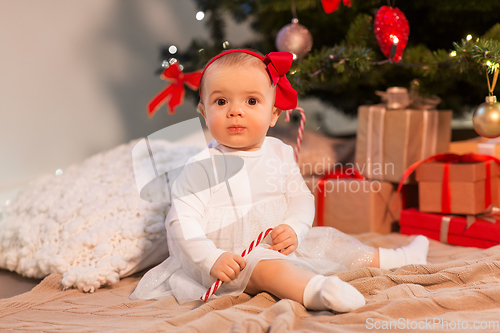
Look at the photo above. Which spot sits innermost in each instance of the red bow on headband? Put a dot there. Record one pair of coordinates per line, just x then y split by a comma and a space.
175, 90
278, 64
329, 6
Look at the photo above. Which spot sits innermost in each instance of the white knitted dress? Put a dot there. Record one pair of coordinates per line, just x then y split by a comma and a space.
211, 214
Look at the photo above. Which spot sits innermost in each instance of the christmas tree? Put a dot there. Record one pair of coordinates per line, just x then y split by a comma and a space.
452, 45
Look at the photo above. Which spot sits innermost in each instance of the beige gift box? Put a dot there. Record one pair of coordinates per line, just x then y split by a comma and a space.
389, 141
356, 206
477, 145
467, 183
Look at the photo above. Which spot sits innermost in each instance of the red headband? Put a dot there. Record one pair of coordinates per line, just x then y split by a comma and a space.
277, 64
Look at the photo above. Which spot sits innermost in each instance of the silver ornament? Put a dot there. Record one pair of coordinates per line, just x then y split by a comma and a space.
294, 38
486, 118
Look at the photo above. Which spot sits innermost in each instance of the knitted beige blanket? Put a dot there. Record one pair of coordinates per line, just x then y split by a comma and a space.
458, 290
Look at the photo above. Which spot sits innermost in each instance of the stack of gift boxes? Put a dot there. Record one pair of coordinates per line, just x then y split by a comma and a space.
362, 196
458, 195
406, 170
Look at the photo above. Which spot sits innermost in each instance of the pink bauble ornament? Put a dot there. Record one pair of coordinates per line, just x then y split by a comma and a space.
294, 38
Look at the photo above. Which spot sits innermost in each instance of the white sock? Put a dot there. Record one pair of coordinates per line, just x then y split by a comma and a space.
331, 293
340, 296
312, 298
415, 253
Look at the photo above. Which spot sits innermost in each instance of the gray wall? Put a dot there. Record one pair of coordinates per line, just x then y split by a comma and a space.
76, 76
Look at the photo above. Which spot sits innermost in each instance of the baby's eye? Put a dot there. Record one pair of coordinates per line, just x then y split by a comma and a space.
220, 102
252, 101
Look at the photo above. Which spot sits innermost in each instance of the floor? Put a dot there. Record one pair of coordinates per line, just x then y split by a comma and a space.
12, 284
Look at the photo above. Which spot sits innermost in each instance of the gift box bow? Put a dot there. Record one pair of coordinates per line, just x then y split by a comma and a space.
447, 159
491, 215
398, 98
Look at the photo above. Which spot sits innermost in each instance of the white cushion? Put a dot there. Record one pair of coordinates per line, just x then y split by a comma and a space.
88, 223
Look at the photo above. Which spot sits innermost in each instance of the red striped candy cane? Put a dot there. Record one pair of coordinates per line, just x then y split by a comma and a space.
301, 128
253, 245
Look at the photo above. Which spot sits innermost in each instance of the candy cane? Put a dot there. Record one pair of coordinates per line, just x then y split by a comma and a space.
301, 128
253, 245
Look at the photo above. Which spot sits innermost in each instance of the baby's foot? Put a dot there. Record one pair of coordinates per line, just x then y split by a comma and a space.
340, 296
415, 253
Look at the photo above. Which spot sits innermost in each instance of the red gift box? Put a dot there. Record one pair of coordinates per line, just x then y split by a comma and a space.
451, 229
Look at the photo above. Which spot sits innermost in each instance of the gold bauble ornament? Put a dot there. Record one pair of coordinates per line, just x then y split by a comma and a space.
486, 118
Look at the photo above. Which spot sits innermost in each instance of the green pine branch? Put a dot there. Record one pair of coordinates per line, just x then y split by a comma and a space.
352, 56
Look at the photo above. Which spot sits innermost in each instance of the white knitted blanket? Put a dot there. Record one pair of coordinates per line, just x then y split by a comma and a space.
88, 223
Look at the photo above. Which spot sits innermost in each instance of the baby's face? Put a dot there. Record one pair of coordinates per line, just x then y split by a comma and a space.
238, 105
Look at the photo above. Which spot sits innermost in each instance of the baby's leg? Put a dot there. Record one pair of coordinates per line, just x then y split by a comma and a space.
279, 277
333, 245
316, 292
415, 253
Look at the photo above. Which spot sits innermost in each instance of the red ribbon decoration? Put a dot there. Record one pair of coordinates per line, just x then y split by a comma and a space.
175, 90
347, 173
329, 6
447, 159
445, 190
278, 64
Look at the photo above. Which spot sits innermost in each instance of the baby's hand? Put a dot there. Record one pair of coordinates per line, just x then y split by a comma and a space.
227, 267
284, 239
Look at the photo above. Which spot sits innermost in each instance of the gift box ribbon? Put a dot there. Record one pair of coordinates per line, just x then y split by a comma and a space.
375, 139
447, 159
334, 174
491, 215
445, 227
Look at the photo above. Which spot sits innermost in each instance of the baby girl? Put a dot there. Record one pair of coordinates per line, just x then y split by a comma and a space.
213, 219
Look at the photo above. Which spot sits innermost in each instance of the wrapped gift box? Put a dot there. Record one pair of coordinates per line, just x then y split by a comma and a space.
389, 141
450, 229
477, 145
356, 206
468, 186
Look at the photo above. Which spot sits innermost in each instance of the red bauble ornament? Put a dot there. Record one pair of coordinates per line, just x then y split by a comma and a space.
329, 6
392, 30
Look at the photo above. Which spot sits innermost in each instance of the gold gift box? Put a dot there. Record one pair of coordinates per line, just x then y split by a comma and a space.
389, 141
